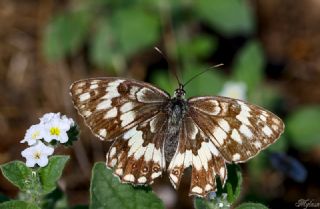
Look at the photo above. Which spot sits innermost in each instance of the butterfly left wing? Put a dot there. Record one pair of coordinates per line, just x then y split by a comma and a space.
137, 156
237, 129
111, 106
129, 112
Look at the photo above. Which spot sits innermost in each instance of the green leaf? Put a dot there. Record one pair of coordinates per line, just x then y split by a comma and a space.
249, 64
250, 205
107, 192
65, 34
18, 174
50, 174
17, 204
303, 127
102, 45
201, 46
134, 30
230, 17
121, 34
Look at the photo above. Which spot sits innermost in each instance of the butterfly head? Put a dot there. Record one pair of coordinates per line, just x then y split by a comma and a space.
179, 93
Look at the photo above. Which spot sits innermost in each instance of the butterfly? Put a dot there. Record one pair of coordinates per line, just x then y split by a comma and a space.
153, 132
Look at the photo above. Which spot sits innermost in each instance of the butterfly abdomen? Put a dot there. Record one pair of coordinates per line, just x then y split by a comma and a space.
176, 111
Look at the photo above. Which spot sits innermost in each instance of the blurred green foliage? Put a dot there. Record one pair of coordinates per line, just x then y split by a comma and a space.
303, 127
229, 17
248, 65
116, 30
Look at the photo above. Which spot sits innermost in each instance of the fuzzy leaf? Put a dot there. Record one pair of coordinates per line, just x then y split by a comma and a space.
107, 192
17, 204
18, 174
50, 174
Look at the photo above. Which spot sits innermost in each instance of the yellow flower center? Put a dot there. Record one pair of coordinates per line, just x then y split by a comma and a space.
37, 155
55, 131
35, 134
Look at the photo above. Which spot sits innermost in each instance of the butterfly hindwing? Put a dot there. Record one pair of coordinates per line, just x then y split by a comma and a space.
111, 106
196, 150
137, 156
237, 129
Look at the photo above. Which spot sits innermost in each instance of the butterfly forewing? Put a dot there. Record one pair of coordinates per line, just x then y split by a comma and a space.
111, 106
237, 129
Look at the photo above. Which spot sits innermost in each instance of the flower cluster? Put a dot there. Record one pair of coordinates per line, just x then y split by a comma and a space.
53, 128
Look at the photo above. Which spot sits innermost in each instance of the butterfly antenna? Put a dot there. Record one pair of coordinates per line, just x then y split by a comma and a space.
165, 57
210, 68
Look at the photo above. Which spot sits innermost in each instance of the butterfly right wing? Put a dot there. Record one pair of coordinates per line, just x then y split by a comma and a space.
239, 130
195, 149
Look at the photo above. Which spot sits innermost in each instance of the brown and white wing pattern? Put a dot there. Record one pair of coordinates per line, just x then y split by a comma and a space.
237, 129
146, 124
112, 106
128, 112
137, 156
197, 150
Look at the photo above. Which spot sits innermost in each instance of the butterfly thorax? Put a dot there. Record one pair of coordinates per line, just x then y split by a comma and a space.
176, 109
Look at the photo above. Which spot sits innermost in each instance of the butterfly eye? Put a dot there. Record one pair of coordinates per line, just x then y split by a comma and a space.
179, 93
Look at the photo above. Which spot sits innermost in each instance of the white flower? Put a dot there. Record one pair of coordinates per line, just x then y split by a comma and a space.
70, 121
33, 134
236, 90
48, 117
56, 129
37, 154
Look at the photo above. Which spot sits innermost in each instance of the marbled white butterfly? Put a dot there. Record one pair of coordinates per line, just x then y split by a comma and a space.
149, 129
